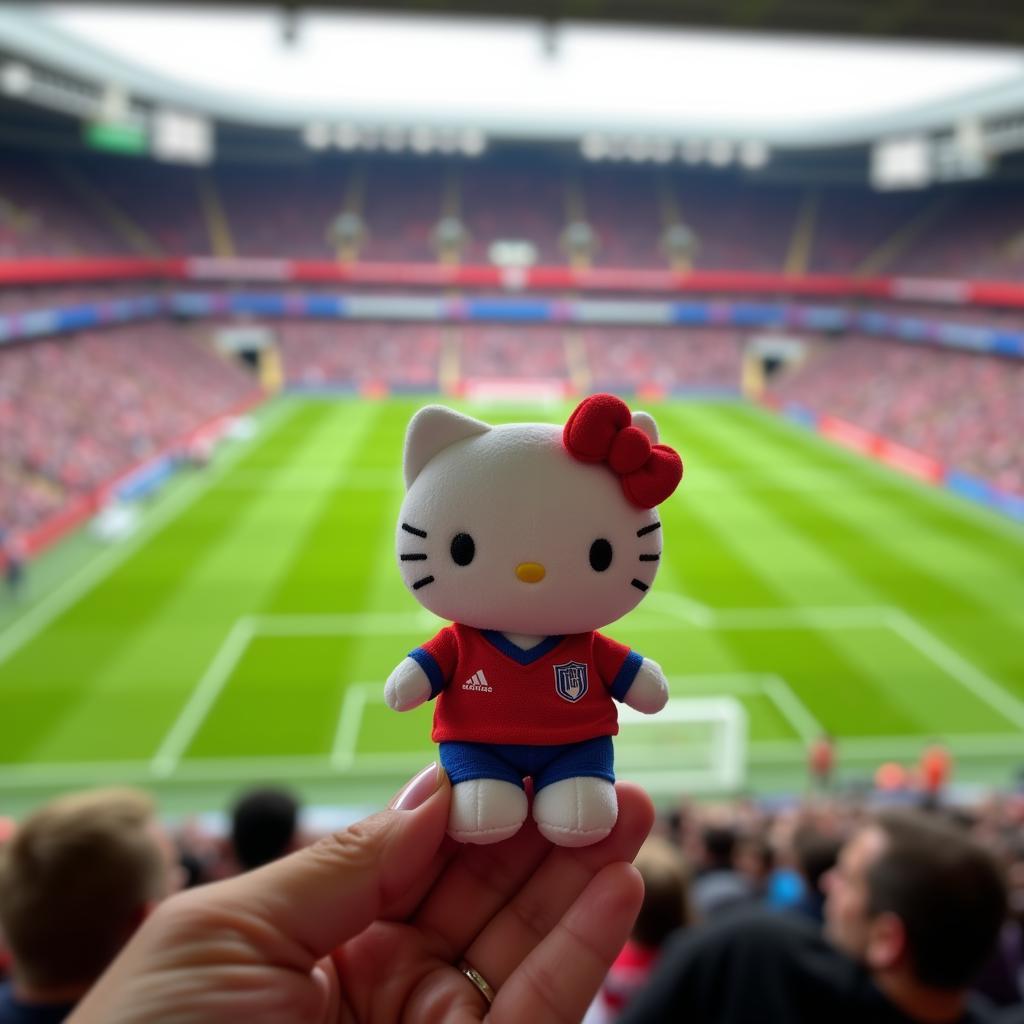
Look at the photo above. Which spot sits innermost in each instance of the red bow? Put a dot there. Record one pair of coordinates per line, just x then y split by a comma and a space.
600, 430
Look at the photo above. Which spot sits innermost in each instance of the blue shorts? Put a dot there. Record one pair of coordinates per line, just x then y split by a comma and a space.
512, 762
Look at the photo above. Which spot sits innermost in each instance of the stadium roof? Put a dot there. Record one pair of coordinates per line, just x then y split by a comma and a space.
517, 78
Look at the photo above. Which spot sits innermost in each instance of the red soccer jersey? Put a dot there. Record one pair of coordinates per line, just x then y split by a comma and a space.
491, 691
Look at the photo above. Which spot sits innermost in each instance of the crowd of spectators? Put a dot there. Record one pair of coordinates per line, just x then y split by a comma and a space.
75, 412
670, 359
331, 353
829, 907
604, 358
964, 409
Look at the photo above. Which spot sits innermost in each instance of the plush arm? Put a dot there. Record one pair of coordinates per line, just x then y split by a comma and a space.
648, 692
407, 687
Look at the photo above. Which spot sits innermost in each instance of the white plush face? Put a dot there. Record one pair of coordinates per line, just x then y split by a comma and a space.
501, 528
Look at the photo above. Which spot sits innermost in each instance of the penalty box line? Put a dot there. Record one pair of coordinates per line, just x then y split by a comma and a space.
979, 684
210, 685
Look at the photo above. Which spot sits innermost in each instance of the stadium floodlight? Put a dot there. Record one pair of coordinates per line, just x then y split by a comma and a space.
179, 136
753, 154
15, 79
692, 151
447, 142
316, 135
594, 146
422, 140
616, 148
393, 140
369, 139
662, 151
473, 142
346, 136
637, 149
720, 153
902, 162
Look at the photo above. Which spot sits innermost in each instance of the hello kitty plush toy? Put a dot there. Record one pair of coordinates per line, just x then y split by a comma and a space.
529, 537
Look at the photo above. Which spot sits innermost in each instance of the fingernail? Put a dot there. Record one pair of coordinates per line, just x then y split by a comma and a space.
419, 790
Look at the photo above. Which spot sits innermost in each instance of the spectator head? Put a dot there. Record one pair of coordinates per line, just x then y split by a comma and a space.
263, 826
76, 879
816, 855
666, 905
914, 895
755, 859
719, 846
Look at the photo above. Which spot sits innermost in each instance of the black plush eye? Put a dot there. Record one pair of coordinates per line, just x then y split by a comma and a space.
600, 555
463, 549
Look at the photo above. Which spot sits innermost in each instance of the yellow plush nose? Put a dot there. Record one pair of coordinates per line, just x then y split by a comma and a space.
530, 572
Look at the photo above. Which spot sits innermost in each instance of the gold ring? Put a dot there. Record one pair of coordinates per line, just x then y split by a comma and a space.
479, 981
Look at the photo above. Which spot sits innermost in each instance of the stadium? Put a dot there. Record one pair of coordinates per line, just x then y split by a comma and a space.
222, 299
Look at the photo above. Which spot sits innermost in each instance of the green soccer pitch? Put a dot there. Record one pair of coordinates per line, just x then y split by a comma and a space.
244, 633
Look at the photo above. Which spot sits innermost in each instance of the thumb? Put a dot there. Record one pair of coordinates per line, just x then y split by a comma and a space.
328, 892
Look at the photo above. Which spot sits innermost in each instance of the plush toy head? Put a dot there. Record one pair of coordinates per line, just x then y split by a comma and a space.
532, 528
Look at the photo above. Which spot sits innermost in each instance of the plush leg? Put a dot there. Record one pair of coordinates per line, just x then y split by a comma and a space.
486, 811
576, 812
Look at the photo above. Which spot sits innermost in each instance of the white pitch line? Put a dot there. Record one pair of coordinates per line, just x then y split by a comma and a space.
969, 676
792, 708
732, 683
202, 699
350, 721
37, 618
693, 611
355, 624
957, 667
867, 617
752, 684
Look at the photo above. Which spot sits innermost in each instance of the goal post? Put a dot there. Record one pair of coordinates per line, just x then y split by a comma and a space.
693, 745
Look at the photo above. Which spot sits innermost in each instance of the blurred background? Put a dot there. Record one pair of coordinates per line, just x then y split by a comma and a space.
240, 246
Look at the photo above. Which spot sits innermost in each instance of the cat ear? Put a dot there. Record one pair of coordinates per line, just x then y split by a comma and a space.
432, 430
645, 421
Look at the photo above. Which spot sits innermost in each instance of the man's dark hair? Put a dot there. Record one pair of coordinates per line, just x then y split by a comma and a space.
720, 845
945, 888
263, 826
665, 907
816, 854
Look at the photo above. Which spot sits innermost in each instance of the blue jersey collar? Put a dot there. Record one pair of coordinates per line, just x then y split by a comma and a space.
510, 650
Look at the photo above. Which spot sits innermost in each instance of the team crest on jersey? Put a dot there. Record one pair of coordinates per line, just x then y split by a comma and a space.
571, 681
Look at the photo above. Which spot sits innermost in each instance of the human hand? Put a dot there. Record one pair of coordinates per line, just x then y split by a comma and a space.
407, 687
372, 923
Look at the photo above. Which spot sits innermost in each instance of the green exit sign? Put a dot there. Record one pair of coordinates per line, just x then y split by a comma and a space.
117, 137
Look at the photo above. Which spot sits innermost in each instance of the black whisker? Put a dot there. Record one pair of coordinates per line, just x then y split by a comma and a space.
418, 557
430, 579
643, 558
648, 529
413, 530
640, 585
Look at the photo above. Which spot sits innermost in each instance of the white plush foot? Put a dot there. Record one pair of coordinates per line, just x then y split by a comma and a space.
486, 811
576, 812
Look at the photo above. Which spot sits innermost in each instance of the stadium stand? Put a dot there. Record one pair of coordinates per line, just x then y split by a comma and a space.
394, 355
622, 207
513, 202
964, 410
51, 207
510, 352
40, 217
403, 204
669, 358
77, 412
853, 223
